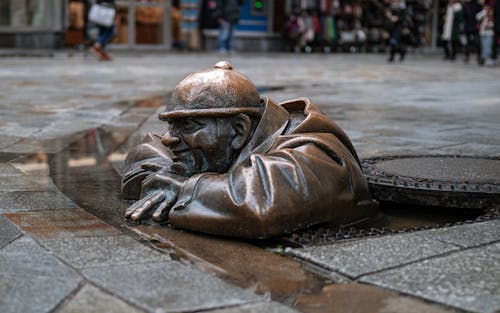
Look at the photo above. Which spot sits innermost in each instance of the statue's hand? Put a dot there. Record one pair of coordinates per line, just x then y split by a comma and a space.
176, 168
160, 192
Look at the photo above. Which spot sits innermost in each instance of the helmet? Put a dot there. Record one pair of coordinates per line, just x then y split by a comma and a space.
217, 92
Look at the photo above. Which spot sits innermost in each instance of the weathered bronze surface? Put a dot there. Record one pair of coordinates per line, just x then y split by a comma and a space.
234, 163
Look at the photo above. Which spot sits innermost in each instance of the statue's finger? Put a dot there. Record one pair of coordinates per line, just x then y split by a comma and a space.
151, 166
131, 209
161, 213
147, 205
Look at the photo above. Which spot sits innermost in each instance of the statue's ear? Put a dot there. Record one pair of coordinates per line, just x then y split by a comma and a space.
242, 126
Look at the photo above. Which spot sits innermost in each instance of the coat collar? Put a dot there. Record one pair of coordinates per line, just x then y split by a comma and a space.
271, 125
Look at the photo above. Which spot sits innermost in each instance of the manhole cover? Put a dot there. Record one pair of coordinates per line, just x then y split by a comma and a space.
445, 181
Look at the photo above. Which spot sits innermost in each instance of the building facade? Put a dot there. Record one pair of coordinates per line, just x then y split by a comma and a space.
166, 24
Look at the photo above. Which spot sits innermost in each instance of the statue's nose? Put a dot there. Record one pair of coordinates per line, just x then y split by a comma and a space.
169, 140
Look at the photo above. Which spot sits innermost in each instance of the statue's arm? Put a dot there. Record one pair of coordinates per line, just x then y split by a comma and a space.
299, 183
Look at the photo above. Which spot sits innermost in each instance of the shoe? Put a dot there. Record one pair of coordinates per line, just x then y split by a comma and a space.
97, 52
105, 56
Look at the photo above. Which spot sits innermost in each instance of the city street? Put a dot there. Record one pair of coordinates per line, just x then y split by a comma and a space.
67, 121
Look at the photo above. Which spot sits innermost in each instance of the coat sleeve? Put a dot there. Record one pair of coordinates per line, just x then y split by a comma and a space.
303, 180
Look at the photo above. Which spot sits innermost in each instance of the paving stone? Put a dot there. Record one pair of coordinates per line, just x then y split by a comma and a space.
361, 298
168, 287
32, 279
7, 170
8, 231
360, 257
6, 140
268, 307
19, 201
468, 235
61, 224
93, 300
468, 279
102, 251
26, 183
243, 264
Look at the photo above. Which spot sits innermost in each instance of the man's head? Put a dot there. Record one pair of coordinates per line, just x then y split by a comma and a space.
211, 116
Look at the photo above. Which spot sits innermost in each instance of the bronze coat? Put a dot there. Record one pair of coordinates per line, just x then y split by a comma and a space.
298, 169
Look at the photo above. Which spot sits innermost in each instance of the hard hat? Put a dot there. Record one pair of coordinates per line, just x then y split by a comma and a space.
220, 91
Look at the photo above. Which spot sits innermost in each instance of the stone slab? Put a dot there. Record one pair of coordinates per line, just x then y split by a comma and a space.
469, 279
32, 279
61, 224
243, 264
20, 201
168, 287
268, 307
468, 235
7, 170
360, 257
361, 298
26, 183
102, 251
8, 231
91, 299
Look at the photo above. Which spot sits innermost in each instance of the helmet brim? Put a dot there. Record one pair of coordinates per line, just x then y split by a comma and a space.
215, 112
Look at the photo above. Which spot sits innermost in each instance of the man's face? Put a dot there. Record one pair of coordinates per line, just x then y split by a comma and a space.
200, 144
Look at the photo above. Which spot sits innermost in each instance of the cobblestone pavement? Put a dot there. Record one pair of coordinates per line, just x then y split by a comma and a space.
66, 122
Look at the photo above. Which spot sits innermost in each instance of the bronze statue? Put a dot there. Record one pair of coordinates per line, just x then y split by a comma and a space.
233, 163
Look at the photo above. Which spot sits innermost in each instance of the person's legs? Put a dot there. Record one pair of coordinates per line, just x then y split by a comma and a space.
447, 52
494, 45
105, 35
229, 40
486, 42
222, 37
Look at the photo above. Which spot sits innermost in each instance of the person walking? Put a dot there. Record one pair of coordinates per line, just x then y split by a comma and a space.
486, 31
496, 26
106, 33
398, 26
471, 8
227, 14
452, 29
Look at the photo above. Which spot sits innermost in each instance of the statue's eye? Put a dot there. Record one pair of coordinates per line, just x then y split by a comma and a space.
191, 125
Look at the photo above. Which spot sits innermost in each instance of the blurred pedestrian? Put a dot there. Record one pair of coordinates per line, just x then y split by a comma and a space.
104, 36
206, 20
227, 14
486, 31
452, 29
496, 22
398, 26
471, 8
176, 17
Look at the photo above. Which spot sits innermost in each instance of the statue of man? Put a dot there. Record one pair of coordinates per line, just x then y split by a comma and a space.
233, 163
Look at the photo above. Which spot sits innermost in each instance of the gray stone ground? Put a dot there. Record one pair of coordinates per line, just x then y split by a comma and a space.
424, 105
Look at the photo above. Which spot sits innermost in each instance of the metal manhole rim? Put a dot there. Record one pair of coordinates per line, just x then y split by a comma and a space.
381, 178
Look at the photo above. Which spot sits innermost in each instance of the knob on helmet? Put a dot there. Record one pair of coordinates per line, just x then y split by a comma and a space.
219, 91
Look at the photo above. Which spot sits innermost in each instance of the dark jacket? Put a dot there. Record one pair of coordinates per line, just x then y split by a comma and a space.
228, 10
298, 169
496, 16
470, 8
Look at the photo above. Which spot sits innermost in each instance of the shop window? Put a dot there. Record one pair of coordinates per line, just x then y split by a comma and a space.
149, 25
21, 14
121, 25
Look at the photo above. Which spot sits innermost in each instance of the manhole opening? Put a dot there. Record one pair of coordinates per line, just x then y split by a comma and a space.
393, 218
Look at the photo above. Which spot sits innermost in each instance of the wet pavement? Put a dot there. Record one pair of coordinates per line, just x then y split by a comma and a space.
67, 122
